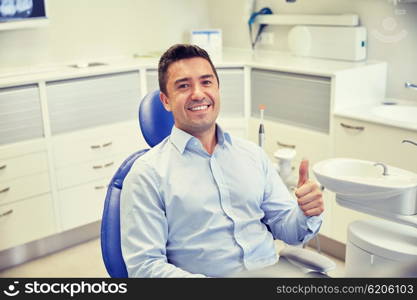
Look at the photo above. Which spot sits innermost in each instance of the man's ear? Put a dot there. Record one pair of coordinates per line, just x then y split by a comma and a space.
165, 101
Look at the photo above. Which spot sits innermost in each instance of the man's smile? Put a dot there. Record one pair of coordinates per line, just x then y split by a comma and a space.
199, 107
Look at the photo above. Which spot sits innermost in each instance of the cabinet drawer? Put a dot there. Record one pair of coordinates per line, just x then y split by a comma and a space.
90, 171
23, 165
92, 101
24, 187
96, 144
20, 114
24, 221
82, 204
375, 142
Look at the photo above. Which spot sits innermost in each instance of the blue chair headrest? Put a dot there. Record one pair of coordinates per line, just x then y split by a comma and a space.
155, 122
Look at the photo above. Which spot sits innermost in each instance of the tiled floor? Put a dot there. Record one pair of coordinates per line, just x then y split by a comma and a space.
85, 260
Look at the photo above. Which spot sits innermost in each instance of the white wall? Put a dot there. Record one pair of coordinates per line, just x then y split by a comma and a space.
93, 29
392, 31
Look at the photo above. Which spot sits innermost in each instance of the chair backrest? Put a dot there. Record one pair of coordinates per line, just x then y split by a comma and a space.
154, 120
156, 124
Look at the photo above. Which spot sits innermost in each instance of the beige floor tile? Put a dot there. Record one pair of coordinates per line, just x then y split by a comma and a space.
83, 260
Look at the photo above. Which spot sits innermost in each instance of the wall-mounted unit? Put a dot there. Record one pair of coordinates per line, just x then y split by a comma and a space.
314, 19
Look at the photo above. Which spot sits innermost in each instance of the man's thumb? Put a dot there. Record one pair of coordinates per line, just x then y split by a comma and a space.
303, 173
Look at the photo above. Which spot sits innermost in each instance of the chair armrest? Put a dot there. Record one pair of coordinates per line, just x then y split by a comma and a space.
307, 259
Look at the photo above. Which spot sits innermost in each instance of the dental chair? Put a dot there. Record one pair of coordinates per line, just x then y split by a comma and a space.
156, 124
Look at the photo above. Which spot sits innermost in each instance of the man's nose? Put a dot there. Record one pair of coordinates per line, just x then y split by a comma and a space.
197, 92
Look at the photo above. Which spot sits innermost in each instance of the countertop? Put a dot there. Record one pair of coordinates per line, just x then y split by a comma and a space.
271, 60
365, 114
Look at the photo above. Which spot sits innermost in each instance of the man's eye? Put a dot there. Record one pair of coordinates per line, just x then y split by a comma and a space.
183, 86
207, 82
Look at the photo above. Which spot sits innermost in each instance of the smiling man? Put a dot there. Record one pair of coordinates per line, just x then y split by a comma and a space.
202, 203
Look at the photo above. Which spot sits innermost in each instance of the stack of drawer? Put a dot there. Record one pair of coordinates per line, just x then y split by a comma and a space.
85, 163
26, 206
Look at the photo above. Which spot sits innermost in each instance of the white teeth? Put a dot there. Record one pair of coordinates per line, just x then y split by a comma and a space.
199, 107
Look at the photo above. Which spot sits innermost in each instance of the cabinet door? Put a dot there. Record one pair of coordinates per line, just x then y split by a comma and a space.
294, 99
25, 221
20, 114
92, 101
82, 204
369, 141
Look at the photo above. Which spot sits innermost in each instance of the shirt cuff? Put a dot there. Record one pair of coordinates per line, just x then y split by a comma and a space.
308, 226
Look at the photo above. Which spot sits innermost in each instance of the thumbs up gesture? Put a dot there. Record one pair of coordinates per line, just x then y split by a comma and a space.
308, 193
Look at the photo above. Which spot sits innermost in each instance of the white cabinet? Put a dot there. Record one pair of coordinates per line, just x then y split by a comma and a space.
85, 162
94, 128
27, 220
81, 103
370, 141
293, 99
20, 114
26, 206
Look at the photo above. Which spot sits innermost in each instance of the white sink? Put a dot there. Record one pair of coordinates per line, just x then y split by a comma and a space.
402, 113
362, 182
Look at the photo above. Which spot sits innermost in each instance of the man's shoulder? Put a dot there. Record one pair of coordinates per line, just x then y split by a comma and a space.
152, 157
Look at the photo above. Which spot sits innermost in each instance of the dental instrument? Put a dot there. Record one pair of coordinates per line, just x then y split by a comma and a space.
261, 133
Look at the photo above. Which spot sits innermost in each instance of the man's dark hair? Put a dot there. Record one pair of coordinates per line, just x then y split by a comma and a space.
176, 53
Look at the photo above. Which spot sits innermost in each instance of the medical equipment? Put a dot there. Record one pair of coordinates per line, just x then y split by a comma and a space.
375, 247
333, 42
284, 157
263, 11
261, 133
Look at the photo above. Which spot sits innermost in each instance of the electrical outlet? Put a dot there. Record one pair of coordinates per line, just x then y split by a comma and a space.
267, 38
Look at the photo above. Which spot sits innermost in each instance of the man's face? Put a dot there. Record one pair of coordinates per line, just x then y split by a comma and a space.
192, 95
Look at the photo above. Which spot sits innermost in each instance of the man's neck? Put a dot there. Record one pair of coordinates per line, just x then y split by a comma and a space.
207, 138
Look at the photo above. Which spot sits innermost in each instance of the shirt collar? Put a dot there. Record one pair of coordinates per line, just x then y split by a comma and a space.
180, 138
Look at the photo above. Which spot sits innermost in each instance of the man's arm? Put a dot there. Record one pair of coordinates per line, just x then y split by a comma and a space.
283, 215
144, 227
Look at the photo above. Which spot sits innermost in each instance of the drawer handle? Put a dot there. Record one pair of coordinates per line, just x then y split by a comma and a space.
5, 190
3, 167
95, 146
9, 212
99, 187
97, 167
107, 144
109, 164
285, 145
360, 128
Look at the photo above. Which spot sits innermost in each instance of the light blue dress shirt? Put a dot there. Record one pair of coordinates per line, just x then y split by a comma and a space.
185, 213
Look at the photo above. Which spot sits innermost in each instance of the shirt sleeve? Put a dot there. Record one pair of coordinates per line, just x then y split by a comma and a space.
144, 227
282, 213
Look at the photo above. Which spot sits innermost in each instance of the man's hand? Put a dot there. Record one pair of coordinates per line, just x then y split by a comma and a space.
309, 196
